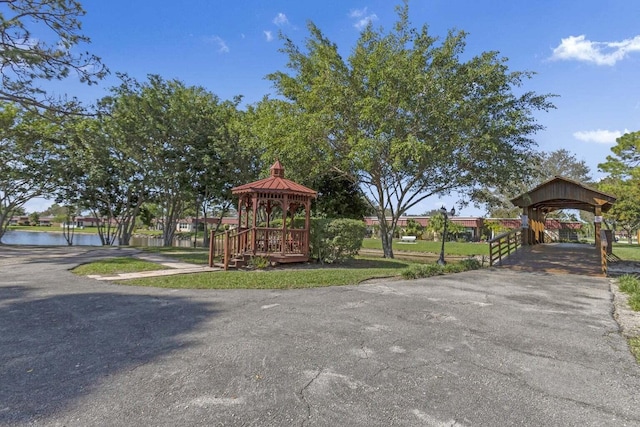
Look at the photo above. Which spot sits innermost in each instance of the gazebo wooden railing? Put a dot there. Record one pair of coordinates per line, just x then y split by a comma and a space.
502, 246
229, 243
233, 247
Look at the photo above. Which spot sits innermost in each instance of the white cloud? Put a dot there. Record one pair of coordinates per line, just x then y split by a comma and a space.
358, 13
280, 19
601, 53
268, 35
222, 45
599, 136
363, 17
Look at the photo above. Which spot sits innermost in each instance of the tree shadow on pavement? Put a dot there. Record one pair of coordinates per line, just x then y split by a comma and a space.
57, 349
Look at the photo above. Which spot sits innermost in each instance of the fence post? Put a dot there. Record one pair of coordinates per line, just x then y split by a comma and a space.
212, 247
225, 248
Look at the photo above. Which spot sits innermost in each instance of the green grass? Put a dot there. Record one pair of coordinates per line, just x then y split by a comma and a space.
631, 285
450, 248
634, 345
56, 229
116, 265
627, 252
349, 273
192, 255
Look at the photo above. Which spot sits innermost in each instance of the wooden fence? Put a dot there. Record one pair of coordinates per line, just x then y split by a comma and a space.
502, 246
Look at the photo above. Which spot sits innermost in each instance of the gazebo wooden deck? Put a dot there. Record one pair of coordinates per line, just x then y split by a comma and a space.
262, 203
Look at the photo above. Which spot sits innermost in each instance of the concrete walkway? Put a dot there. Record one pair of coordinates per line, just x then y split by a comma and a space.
173, 267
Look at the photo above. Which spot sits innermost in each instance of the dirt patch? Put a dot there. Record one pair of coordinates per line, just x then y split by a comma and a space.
628, 319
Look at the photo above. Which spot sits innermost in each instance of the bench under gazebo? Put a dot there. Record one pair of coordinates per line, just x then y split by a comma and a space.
266, 225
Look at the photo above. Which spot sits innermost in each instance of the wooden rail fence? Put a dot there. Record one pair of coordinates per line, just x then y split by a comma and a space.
500, 247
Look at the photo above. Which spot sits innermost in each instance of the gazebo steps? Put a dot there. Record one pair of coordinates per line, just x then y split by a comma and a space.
240, 261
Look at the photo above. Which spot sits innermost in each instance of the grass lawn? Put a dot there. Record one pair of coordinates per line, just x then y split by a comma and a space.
117, 265
192, 255
627, 252
56, 229
309, 276
634, 344
450, 248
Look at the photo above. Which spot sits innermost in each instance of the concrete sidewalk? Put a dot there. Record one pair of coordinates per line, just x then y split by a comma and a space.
173, 267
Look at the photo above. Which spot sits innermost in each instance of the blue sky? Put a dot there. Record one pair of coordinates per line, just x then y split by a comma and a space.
587, 52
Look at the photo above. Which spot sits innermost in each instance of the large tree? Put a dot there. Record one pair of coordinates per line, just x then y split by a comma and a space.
404, 116
104, 176
180, 146
623, 167
38, 39
28, 159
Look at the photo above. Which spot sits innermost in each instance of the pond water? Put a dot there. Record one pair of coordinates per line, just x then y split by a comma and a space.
46, 238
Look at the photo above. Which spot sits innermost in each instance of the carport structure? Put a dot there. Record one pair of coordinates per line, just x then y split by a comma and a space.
555, 194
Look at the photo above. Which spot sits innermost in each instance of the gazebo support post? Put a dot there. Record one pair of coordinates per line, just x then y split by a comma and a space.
254, 223
285, 211
307, 226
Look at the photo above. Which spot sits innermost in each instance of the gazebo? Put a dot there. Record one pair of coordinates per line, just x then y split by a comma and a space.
266, 224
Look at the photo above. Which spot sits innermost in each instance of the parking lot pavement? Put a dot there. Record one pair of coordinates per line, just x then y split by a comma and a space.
490, 347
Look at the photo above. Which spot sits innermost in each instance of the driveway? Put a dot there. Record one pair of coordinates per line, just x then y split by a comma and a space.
485, 348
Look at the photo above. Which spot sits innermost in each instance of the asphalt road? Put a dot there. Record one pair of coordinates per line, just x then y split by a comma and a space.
484, 348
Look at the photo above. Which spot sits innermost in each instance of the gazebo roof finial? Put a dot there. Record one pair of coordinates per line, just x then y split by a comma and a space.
277, 170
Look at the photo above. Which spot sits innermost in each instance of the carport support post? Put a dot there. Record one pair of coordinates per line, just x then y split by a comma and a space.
597, 211
526, 231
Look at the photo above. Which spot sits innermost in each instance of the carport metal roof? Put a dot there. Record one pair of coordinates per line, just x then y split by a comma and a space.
563, 193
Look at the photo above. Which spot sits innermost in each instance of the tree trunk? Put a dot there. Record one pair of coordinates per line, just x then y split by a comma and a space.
386, 237
387, 244
4, 223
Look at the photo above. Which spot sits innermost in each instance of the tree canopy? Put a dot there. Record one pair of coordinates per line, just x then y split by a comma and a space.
29, 159
623, 167
404, 116
37, 43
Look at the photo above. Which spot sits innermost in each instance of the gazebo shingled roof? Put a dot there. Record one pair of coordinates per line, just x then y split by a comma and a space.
275, 183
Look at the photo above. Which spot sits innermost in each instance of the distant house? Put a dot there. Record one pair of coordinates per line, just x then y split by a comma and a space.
46, 221
472, 226
20, 220
83, 221
188, 225
475, 227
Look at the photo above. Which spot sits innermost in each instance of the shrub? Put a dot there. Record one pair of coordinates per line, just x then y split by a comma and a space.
347, 235
417, 271
259, 262
336, 239
454, 268
471, 264
317, 238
